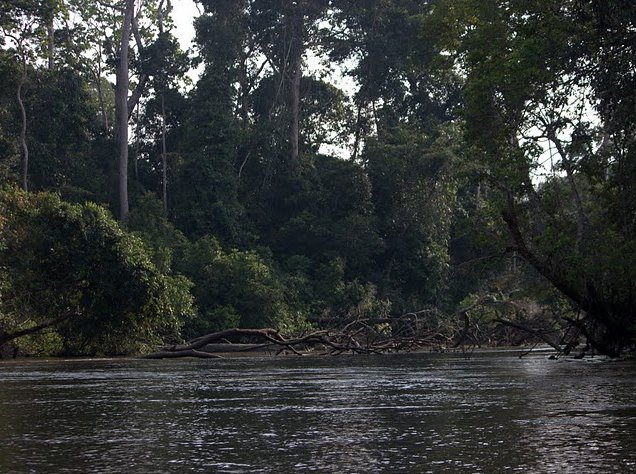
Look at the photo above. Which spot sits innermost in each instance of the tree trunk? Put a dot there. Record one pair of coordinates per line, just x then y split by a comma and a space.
295, 107
357, 337
544, 268
585, 296
357, 135
51, 43
164, 160
121, 110
23, 130
100, 91
8, 337
582, 221
296, 73
136, 151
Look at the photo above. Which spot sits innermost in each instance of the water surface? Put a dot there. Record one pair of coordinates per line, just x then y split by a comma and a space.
493, 412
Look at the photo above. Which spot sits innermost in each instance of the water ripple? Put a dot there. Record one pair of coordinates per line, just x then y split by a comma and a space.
418, 413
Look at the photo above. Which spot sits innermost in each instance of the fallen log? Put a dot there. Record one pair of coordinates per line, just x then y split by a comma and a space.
357, 338
228, 347
184, 353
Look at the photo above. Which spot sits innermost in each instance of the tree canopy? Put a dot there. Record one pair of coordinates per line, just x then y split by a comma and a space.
482, 156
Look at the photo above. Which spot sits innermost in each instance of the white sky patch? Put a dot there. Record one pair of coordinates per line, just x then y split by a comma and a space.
183, 14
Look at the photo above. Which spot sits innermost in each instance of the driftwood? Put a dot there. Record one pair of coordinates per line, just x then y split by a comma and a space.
357, 337
229, 347
184, 353
425, 329
509, 313
464, 313
539, 334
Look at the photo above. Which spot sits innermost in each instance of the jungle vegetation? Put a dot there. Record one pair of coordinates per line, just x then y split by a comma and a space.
469, 163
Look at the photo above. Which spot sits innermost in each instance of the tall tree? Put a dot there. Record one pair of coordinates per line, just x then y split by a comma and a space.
127, 17
122, 108
20, 25
283, 32
165, 64
533, 73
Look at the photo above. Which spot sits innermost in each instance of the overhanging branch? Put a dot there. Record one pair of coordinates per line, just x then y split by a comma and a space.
4, 338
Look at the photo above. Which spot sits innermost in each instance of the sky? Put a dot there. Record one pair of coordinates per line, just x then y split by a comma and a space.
184, 12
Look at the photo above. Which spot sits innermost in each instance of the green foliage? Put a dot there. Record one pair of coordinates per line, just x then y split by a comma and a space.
71, 261
335, 298
414, 195
9, 155
534, 71
61, 134
459, 109
147, 219
236, 288
205, 193
327, 214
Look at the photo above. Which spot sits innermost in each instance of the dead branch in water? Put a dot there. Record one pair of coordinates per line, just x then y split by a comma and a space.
357, 337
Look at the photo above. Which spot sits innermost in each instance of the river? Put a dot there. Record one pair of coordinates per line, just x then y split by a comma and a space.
417, 413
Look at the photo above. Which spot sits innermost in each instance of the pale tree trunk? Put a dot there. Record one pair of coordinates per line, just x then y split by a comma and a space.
358, 135
121, 110
244, 97
23, 130
136, 154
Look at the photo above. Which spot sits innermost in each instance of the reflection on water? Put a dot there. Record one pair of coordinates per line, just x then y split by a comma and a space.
417, 413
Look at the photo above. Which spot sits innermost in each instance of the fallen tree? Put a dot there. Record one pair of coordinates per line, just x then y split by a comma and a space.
475, 325
362, 336
543, 326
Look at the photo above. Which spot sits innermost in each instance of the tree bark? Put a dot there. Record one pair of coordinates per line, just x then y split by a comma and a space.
136, 94
357, 337
357, 135
100, 90
185, 353
585, 296
164, 161
23, 130
544, 268
121, 110
582, 221
538, 334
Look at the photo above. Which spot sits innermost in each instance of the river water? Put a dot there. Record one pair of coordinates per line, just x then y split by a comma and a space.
419, 413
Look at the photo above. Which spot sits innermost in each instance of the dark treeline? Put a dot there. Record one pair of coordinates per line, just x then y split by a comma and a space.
480, 174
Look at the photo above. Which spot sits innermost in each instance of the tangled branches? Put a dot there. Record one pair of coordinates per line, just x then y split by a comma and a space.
361, 336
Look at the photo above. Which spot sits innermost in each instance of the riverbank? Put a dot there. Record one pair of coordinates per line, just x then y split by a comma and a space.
244, 351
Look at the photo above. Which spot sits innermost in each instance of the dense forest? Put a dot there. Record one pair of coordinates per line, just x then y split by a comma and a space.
468, 163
